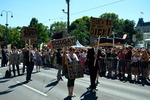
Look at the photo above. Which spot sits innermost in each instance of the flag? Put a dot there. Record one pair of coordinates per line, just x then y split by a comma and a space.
142, 13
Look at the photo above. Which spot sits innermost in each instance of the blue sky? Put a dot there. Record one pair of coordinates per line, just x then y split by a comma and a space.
24, 10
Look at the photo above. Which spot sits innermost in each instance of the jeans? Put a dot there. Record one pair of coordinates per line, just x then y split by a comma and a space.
59, 71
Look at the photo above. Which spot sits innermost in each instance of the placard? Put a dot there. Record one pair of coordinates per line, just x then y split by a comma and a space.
29, 33
100, 27
75, 70
64, 42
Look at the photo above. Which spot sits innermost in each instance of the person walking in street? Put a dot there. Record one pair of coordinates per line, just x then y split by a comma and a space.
91, 56
59, 64
4, 56
15, 60
30, 63
24, 58
71, 56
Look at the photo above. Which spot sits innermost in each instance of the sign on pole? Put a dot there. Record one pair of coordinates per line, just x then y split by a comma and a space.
64, 42
100, 27
29, 33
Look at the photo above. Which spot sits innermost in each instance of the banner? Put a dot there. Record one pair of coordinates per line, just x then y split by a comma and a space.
29, 33
100, 27
64, 42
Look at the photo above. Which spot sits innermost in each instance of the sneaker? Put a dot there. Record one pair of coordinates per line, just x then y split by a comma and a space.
61, 79
94, 90
73, 95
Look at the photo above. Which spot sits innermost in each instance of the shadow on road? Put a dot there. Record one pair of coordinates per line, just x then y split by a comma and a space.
4, 81
52, 85
18, 84
5, 92
88, 95
68, 98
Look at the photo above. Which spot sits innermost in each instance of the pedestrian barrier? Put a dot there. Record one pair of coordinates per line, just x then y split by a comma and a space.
123, 68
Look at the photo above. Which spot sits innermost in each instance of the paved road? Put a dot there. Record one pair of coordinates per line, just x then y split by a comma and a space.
45, 87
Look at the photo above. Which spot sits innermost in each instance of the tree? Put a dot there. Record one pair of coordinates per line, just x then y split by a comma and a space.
114, 18
80, 29
57, 26
121, 27
2, 32
43, 33
33, 22
15, 37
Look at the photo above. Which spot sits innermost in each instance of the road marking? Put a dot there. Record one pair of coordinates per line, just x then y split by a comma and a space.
0, 73
33, 89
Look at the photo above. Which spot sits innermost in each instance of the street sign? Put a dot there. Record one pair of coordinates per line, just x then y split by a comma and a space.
100, 27
29, 33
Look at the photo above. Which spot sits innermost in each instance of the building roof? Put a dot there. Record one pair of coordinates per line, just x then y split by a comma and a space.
142, 23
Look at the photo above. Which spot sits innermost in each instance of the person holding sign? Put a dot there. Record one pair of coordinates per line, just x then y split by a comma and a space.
71, 56
30, 63
91, 56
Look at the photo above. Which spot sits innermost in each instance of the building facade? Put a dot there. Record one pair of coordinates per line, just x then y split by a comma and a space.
144, 29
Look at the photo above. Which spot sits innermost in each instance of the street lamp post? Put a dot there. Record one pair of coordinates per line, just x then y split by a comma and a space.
68, 13
113, 39
7, 23
68, 22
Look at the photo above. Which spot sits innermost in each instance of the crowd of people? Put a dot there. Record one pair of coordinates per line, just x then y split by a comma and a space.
121, 63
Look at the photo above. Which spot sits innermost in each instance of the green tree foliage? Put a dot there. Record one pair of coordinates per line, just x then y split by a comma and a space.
80, 29
2, 32
33, 22
114, 18
43, 33
121, 27
15, 37
57, 26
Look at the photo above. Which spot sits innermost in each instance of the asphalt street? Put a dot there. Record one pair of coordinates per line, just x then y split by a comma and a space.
44, 86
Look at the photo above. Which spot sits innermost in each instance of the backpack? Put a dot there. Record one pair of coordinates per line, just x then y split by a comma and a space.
8, 73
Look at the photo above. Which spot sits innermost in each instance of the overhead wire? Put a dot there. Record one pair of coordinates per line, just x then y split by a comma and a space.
88, 10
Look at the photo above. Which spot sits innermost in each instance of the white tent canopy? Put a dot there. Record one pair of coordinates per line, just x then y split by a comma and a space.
78, 44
